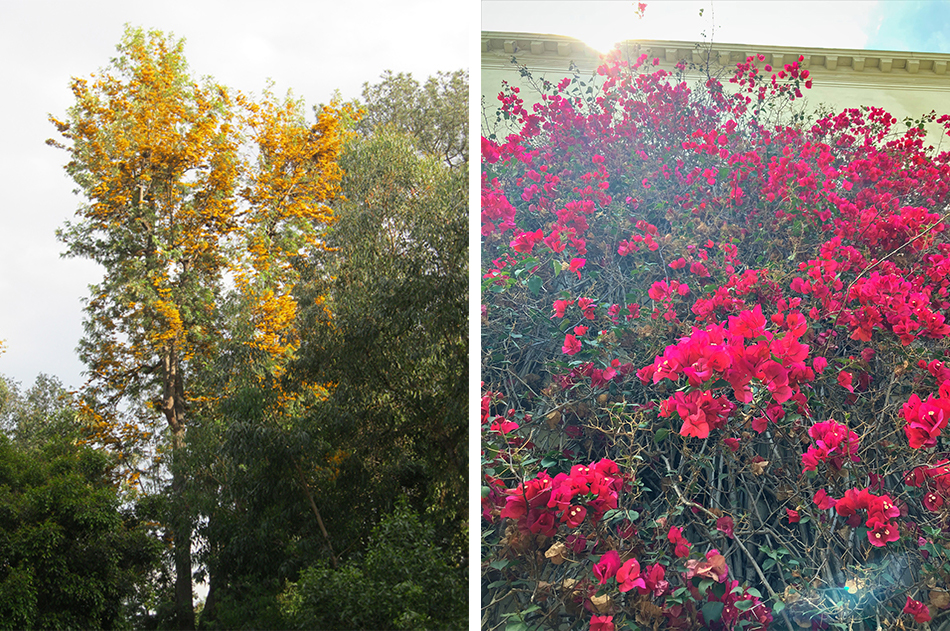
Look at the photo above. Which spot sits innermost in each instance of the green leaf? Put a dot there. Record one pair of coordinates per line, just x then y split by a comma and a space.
712, 611
499, 564
778, 607
612, 514
660, 435
745, 605
534, 284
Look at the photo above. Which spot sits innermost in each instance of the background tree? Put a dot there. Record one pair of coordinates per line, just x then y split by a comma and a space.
398, 346
300, 473
45, 411
177, 202
73, 555
434, 114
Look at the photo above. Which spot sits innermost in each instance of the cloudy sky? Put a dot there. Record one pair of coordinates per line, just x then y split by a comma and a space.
313, 47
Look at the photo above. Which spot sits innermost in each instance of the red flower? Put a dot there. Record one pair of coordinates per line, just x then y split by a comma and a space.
560, 306
823, 500
607, 567
844, 379
725, 525
574, 517
675, 536
572, 345
503, 426
553, 241
655, 582
602, 623
933, 502
628, 576
917, 609
576, 265
882, 533
793, 516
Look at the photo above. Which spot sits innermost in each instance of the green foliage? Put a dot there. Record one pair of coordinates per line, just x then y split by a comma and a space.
396, 285
434, 114
71, 558
45, 411
403, 582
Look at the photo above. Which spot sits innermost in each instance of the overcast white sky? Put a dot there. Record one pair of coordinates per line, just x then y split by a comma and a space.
907, 25
313, 47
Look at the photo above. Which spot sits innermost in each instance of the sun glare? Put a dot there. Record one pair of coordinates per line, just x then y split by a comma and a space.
619, 25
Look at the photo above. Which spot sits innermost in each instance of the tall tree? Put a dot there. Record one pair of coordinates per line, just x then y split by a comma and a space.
398, 347
434, 114
187, 184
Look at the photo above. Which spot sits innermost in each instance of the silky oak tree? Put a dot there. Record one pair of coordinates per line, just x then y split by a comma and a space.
192, 190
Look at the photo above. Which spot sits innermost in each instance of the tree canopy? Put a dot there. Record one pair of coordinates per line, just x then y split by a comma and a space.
277, 357
187, 185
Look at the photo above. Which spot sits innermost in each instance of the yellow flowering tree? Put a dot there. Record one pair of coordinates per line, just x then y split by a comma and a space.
190, 188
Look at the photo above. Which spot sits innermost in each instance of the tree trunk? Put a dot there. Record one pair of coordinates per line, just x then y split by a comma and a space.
173, 407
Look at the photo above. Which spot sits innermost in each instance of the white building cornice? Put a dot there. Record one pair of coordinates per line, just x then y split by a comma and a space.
830, 66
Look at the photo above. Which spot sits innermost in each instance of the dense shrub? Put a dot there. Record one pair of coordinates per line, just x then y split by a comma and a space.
713, 343
403, 582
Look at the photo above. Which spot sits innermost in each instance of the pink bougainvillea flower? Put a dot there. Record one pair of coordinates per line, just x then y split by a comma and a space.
726, 526
655, 582
560, 306
503, 426
845, 380
628, 576
576, 265
819, 364
675, 536
602, 623
607, 567
553, 241
917, 609
882, 533
526, 241
932, 502
574, 516
571, 346
732, 444
925, 419
823, 500
793, 516
748, 324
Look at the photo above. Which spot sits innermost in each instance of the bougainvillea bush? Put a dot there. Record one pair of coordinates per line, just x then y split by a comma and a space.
714, 335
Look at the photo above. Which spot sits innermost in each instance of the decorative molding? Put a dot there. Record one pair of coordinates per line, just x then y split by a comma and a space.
548, 52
